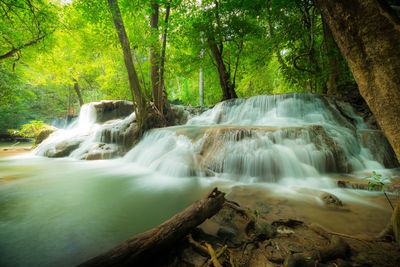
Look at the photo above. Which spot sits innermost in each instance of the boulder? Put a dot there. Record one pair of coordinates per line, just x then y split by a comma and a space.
181, 114
120, 132
112, 109
44, 133
331, 200
103, 151
63, 148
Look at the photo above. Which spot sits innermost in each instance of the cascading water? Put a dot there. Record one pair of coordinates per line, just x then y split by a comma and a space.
263, 138
89, 137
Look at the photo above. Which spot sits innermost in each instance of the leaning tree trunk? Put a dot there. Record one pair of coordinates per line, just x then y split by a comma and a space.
146, 247
368, 35
78, 92
136, 91
228, 89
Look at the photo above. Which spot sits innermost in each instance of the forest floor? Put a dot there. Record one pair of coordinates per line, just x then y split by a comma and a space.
307, 234
12, 149
262, 226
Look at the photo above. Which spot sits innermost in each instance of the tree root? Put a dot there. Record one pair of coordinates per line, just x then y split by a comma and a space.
337, 249
244, 212
197, 246
214, 257
352, 237
393, 226
208, 251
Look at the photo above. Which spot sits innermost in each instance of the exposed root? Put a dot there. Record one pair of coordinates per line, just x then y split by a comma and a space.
218, 254
208, 251
238, 209
352, 237
197, 246
337, 249
213, 256
231, 261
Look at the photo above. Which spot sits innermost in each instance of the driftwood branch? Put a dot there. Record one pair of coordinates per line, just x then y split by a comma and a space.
207, 250
213, 255
137, 250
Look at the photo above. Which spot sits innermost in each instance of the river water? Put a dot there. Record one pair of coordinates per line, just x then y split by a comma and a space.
273, 153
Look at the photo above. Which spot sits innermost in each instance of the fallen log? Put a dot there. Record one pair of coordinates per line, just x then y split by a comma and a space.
142, 248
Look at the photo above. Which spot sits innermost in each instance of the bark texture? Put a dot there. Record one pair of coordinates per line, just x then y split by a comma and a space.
136, 92
142, 248
333, 61
165, 108
78, 92
367, 33
155, 57
228, 88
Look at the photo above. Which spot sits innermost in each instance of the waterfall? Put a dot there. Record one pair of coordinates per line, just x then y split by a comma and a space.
262, 139
90, 137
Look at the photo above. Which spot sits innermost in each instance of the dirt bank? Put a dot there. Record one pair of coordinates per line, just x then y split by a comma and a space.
7, 150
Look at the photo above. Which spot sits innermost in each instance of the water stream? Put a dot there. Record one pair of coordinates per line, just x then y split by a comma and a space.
61, 211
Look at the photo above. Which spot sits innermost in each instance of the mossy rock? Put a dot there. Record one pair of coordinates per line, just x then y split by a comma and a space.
44, 134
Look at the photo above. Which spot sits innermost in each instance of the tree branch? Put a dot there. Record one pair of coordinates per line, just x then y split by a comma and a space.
312, 41
17, 49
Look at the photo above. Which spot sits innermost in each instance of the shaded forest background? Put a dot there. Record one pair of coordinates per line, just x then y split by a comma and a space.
57, 55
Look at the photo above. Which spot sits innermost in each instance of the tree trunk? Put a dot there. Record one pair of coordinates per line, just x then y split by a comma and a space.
367, 33
142, 248
155, 57
78, 92
333, 62
165, 108
228, 89
201, 87
201, 82
136, 92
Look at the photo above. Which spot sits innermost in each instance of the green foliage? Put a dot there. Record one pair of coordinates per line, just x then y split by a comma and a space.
15, 98
30, 130
377, 180
80, 45
25, 23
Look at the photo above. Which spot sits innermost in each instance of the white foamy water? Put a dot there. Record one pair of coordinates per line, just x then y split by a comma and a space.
85, 135
261, 139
